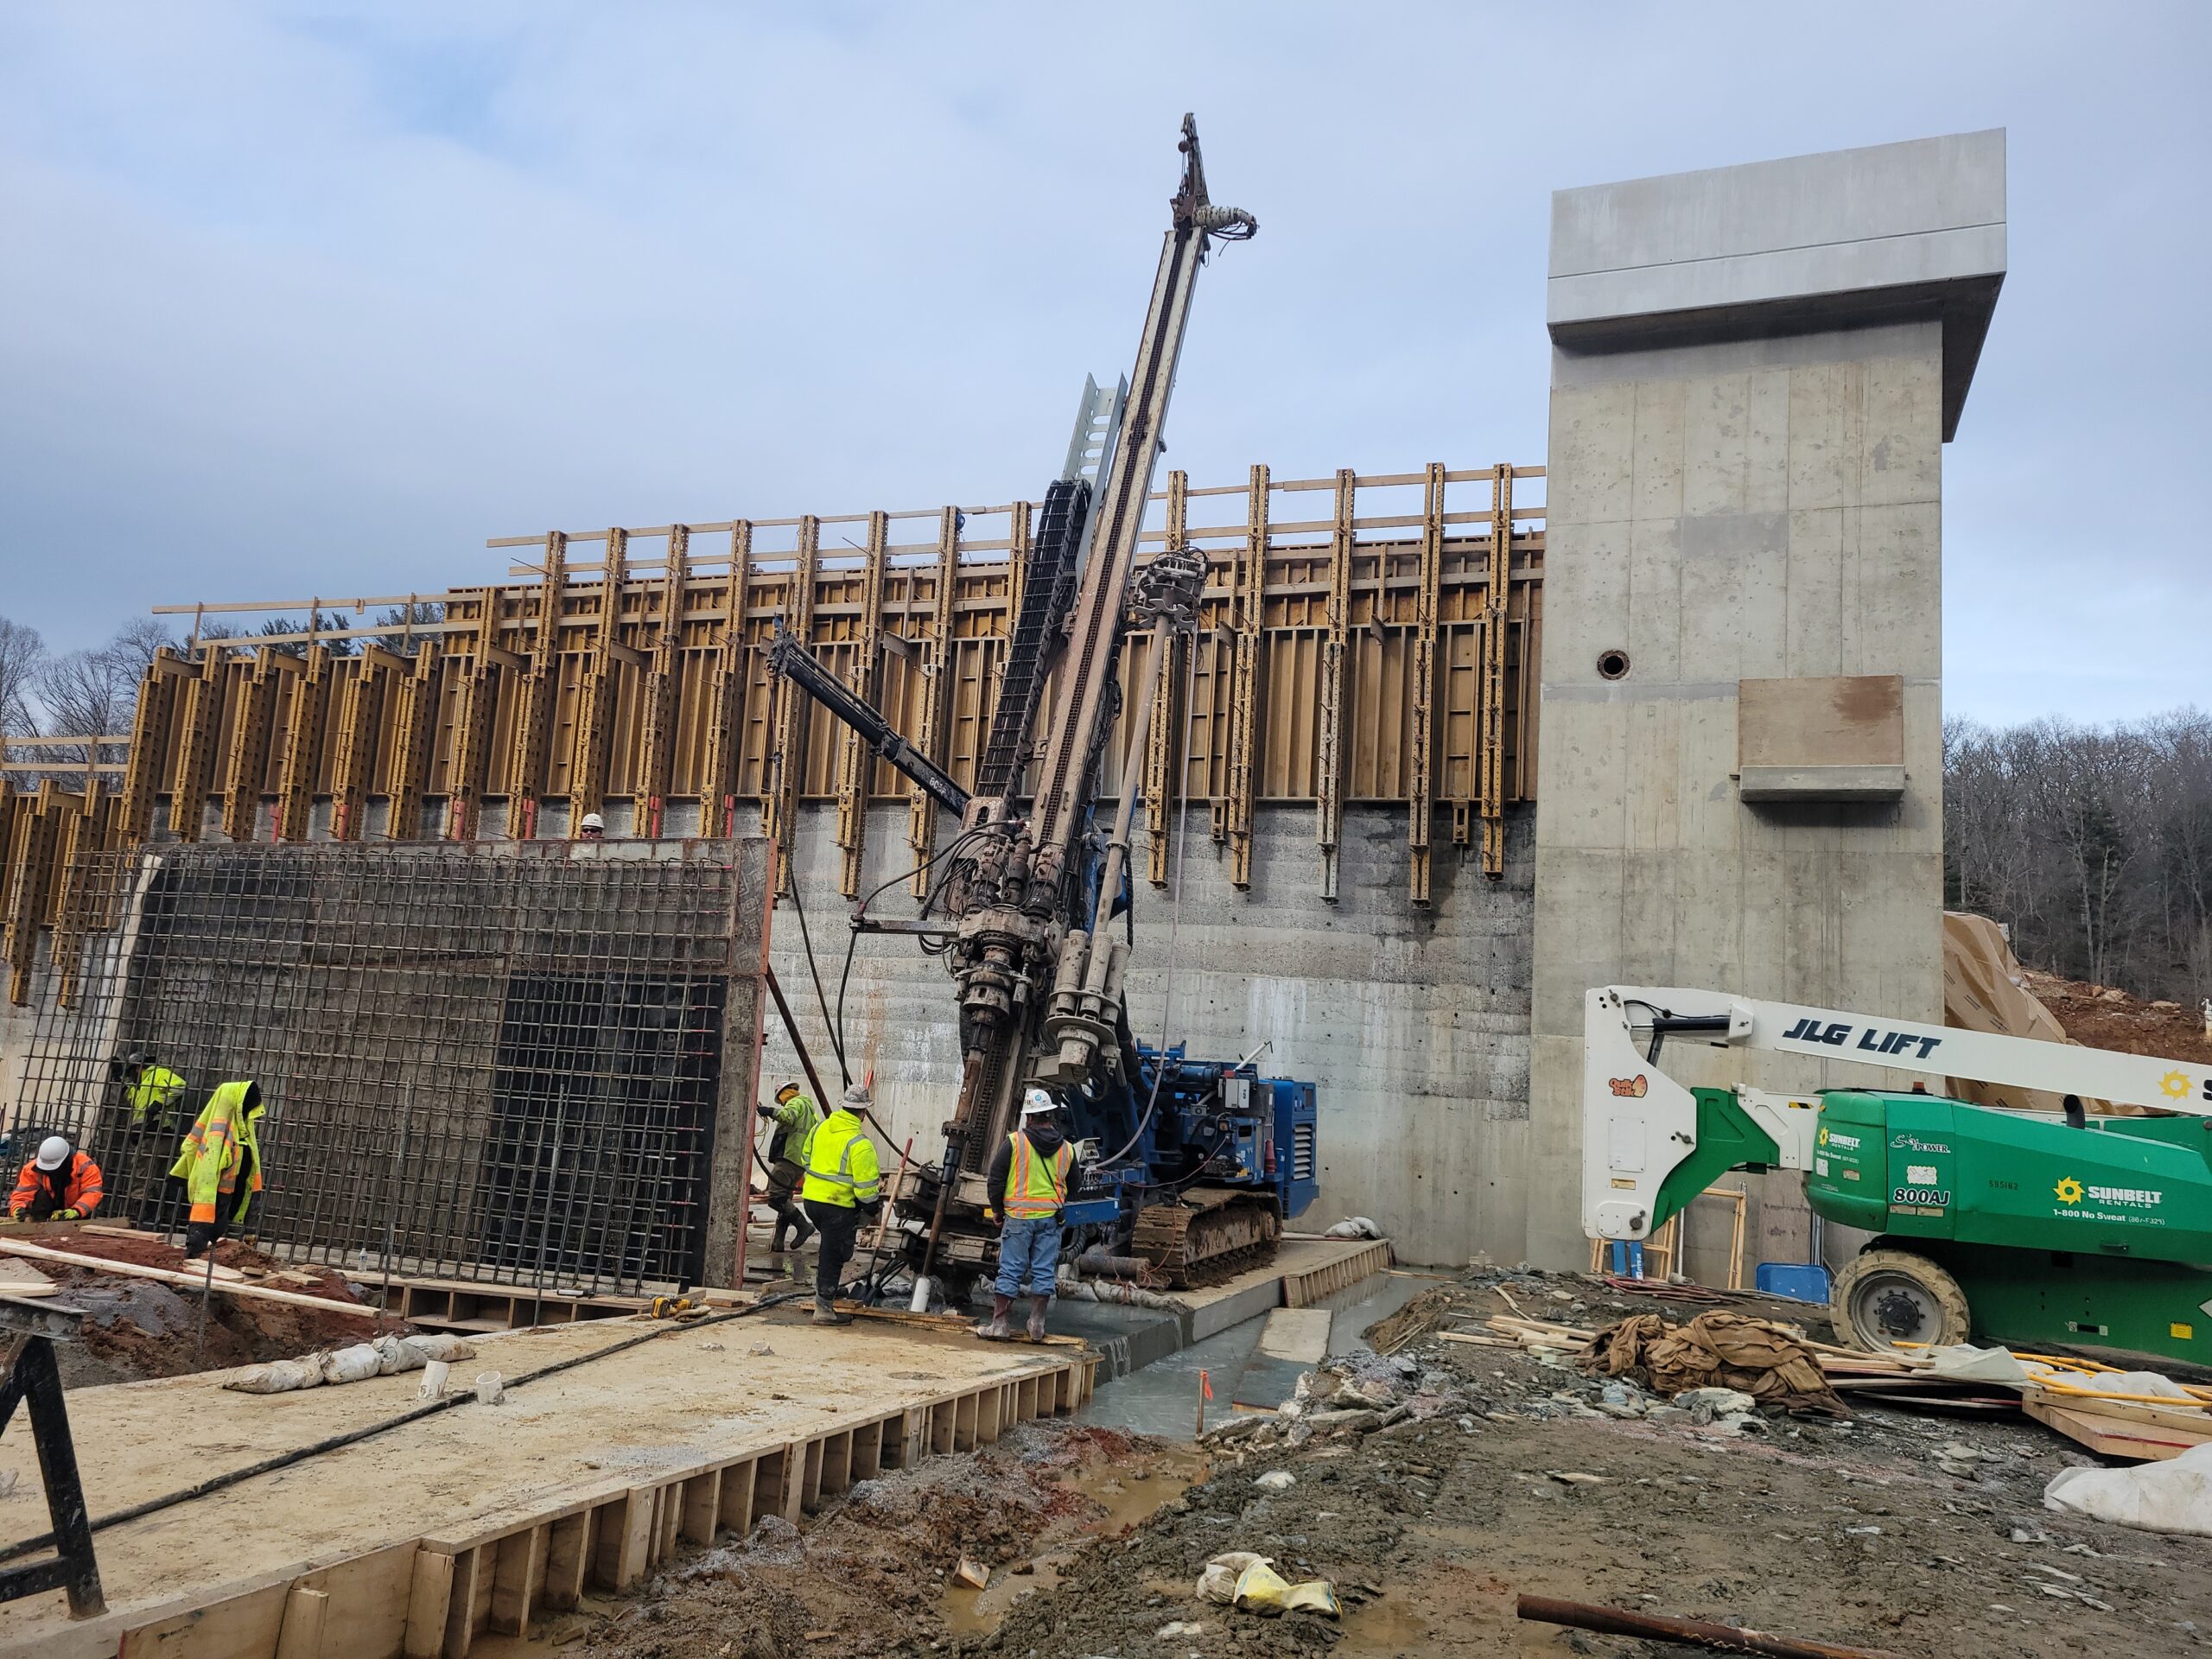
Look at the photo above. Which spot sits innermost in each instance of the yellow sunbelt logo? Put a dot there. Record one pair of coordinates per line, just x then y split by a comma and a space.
2068, 1191
2175, 1085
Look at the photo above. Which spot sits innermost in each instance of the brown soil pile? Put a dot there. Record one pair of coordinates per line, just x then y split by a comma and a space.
137, 1328
2102, 1016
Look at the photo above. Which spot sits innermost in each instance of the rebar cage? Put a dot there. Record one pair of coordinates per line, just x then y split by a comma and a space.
487, 1060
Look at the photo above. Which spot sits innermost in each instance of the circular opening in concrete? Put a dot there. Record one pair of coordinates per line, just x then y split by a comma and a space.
1613, 665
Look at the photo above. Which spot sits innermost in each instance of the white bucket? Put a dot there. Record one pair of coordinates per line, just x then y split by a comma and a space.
433, 1378
489, 1388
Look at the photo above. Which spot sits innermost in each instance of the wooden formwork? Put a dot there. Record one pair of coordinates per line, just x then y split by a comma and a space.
430, 1598
1304, 1287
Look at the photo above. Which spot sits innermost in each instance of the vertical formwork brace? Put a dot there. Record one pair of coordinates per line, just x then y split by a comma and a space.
1244, 682
856, 760
476, 704
150, 727
38, 827
1160, 742
787, 754
602, 683
1336, 650
80, 831
664, 670
727, 693
295, 791
1422, 687
360, 714
540, 689
933, 661
1496, 629
415, 732
252, 722
195, 767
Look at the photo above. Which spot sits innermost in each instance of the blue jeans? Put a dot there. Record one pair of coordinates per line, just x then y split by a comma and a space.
1029, 1251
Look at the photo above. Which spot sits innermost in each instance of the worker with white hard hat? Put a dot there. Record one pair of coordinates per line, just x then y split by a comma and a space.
594, 828
58, 1184
1028, 1185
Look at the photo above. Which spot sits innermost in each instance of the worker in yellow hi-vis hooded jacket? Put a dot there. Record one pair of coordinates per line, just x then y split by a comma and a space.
220, 1163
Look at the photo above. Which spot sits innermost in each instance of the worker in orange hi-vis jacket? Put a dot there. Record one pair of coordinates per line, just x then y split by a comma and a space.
59, 1183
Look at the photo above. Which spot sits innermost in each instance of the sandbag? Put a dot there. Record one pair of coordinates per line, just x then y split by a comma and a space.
1354, 1227
396, 1354
352, 1365
2171, 1496
1260, 1589
279, 1376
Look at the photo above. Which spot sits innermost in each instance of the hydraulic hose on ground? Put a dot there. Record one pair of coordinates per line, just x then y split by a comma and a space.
428, 1409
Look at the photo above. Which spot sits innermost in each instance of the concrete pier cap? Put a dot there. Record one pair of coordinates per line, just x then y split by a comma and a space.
1886, 233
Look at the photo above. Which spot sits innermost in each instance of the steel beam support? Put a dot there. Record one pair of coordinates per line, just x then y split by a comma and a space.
663, 673
1336, 657
728, 684
1161, 784
933, 661
474, 706
1497, 597
361, 712
1244, 678
786, 758
150, 727
203, 701
1421, 808
253, 723
856, 760
540, 695
602, 680
415, 735
309, 719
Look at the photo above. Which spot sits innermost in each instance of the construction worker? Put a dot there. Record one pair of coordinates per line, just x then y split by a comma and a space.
1028, 1181
220, 1163
150, 1088
594, 827
795, 1116
844, 1184
59, 1183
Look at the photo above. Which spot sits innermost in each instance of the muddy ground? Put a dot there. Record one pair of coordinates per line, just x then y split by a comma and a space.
2103, 1016
1853, 1532
138, 1328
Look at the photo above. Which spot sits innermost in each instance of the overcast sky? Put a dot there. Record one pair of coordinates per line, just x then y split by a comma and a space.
314, 299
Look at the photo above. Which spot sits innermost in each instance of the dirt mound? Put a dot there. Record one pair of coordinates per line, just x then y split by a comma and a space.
138, 1328
2103, 1016
870, 1575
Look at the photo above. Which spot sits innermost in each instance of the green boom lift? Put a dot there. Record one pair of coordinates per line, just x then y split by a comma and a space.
2010, 1226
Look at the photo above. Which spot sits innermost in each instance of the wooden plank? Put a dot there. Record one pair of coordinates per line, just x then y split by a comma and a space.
430, 1592
738, 1489
867, 1451
248, 1624
469, 1577
306, 1613
703, 1498
568, 1560
2116, 1437
519, 1575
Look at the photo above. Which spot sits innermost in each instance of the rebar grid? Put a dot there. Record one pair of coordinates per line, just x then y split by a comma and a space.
492, 1061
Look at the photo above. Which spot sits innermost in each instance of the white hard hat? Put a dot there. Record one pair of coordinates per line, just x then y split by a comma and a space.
52, 1152
857, 1095
593, 821
1037, 1101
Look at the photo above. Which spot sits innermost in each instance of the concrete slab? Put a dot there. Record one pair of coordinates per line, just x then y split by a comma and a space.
667, 1416
1292, 1342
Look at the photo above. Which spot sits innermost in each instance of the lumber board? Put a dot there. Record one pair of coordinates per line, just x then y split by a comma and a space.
187, 1280
2116, 1437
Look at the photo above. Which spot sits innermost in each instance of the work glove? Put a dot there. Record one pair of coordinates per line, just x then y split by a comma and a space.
68, 1215
990, 1214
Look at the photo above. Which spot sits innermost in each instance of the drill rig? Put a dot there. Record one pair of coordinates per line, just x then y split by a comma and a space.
1194, 1164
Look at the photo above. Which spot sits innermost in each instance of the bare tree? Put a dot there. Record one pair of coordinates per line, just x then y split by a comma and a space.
22, 652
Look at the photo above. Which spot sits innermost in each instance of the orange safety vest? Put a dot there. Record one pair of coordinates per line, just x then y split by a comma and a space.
1035, 1186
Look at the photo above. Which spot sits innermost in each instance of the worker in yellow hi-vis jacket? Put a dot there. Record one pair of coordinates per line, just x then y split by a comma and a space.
220, 1163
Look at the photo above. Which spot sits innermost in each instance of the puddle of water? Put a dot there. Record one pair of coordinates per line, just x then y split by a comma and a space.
1127, 1501
1383, 1630
1162, 1399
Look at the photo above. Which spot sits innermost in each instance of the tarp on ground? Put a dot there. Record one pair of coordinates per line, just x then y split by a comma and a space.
1985, 988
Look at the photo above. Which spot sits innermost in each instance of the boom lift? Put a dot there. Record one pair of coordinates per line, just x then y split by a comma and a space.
2016, 1226
1193, 1165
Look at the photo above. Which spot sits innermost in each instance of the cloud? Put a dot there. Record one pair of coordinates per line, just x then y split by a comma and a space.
313, 300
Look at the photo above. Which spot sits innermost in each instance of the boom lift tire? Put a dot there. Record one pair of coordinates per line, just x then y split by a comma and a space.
1891, 1296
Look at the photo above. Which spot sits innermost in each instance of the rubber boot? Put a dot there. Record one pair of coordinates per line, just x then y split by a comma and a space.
826, 1313
802, 1228
1037, 1306
998, 1330
782, 1227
